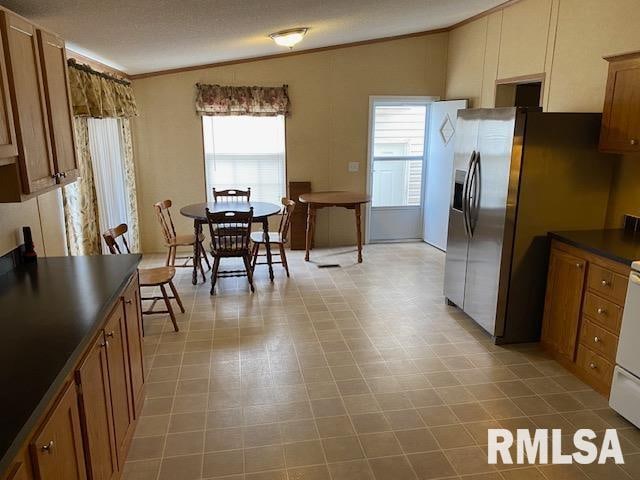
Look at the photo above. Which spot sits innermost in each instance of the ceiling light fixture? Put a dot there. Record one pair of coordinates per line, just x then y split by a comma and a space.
288, 38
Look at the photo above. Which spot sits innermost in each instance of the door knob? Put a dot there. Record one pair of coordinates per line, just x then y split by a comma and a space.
578, 265
605, 283
592, 365
601, 311
596, 339
633, 141
110, 334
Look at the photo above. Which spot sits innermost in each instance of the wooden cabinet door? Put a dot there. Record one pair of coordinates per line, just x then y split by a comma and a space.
133, 317
8, 144
18, 472
115, 332
565, 284
54, 74
57, 450
28, 103
95, 407
621, 114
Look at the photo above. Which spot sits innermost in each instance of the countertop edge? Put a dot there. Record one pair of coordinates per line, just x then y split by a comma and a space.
49, 397
589, 248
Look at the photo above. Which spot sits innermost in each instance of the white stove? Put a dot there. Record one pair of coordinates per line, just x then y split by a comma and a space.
625, 389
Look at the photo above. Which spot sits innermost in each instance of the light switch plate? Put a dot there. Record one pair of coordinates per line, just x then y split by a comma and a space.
354, 167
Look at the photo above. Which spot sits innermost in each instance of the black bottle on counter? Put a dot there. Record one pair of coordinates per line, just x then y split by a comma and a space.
29, 254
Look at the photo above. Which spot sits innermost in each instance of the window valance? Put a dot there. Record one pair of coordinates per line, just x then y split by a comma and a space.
217, 100
98, 95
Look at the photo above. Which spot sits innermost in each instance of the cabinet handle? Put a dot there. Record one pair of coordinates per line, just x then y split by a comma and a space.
605, 283
592, 365
596, 339
578, 265
48, 448
601, 311
105, 344
110, 334
128, 302
633, 141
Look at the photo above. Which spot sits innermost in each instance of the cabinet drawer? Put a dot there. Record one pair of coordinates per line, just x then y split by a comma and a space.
594, 365
603, 312
607, 283
599, 340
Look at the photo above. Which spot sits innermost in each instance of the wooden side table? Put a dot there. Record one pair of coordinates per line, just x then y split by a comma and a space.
348, 200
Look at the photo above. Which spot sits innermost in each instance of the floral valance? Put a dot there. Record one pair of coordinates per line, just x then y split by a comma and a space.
217, 100
98, 95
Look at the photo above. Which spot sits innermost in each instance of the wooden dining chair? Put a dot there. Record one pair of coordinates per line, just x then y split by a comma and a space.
173, 241
148, 277
230, 234
277, 239
232, 195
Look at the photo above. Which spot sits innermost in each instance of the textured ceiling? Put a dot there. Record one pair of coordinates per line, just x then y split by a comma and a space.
139, 36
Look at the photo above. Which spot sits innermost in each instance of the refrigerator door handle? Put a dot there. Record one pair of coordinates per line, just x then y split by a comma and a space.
465, 196
474, 186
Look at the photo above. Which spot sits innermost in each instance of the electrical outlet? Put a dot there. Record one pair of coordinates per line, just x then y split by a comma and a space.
354, 167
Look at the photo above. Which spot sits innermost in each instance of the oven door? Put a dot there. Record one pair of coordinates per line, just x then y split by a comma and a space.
628, 356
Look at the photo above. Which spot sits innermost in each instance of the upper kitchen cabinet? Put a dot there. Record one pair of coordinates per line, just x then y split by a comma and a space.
621, 113
36, 141
57, 94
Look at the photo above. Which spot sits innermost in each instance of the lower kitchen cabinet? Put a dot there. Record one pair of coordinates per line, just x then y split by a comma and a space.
119, 382
57, 449
97, 414
583, 312
565, 283
133, 314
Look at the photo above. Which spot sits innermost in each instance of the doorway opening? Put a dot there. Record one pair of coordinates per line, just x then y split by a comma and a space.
520, 91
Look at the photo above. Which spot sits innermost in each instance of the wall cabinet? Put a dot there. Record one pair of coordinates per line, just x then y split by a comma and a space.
620, 131
583, 312
57, 449
37, 150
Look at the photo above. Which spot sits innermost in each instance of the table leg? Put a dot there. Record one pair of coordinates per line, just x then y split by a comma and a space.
359, 231
197, 228
267, 244
311, 221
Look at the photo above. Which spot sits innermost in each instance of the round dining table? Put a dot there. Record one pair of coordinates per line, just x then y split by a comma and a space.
261, 213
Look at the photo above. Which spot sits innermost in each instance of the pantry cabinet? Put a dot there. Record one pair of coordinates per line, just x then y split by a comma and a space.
583, 312
37, 151
620, 131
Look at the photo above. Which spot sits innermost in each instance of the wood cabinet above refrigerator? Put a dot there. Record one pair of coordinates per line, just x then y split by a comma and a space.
620, 131
37, 149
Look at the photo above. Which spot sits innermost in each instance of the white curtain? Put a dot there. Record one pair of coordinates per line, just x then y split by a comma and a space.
107, 158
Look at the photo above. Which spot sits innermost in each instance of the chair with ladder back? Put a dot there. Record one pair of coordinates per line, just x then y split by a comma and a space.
277, 239
148, 277
173, 241
232, 195
230, 234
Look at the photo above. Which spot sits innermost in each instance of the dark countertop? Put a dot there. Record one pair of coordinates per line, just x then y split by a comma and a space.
616, 245
49, 312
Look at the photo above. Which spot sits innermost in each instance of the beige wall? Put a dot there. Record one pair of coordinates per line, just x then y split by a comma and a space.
44, 215
566, 40
327, 129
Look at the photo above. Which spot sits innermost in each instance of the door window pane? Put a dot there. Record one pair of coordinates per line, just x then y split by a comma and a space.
398, 149
399, 130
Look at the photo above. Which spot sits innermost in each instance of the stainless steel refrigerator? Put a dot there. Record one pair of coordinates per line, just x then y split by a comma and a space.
518, 174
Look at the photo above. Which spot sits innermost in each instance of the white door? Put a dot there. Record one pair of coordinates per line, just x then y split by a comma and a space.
439, 170
396, 162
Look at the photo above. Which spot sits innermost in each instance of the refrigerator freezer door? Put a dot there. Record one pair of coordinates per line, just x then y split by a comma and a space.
488, 216
457, 238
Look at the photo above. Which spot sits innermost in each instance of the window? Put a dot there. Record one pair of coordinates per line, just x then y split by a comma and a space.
398, 150
244, 151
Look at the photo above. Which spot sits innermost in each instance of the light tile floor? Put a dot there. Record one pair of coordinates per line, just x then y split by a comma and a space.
351, 373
